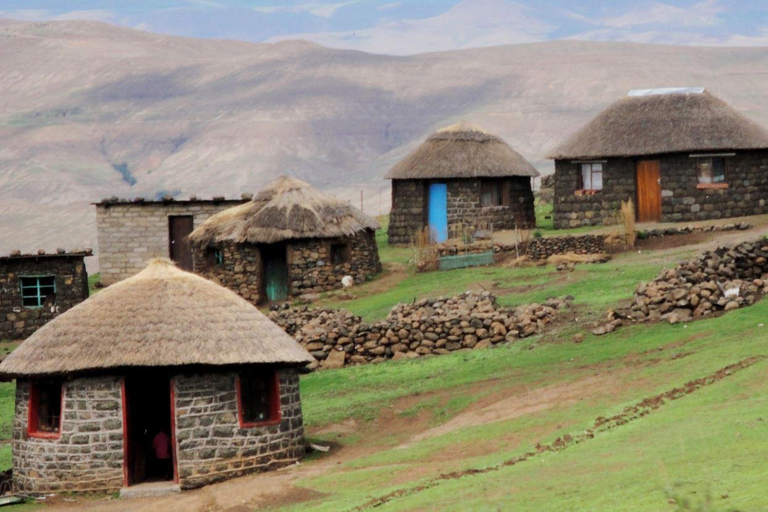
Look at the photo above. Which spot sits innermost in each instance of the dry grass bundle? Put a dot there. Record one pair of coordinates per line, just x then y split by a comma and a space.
627, 215
425, 247
162, 316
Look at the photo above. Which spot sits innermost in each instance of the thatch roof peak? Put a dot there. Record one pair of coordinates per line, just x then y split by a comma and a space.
286, 209
647, 123
462, 150
163, 316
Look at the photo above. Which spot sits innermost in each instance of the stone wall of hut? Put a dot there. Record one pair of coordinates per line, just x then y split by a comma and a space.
18, 321
88, 456
210, 444
132, 233
309, 265
681, 199
464, 209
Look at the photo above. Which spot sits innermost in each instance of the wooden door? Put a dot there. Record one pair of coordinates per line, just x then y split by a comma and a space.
179, 229
438, 211
275, 272
648, 181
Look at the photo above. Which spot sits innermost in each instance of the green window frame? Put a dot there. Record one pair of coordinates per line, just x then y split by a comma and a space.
35, 289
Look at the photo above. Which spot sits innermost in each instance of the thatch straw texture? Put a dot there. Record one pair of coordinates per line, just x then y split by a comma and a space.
462, 151
162, 316
663, 123
287, 209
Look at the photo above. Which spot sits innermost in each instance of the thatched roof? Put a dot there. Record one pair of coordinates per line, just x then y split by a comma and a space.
287, 209
162, 316
658, 123
462, 151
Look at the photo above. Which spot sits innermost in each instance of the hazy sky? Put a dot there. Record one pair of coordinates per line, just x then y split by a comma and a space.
408, 26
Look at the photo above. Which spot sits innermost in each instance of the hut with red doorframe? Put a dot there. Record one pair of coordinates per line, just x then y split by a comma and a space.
164, 376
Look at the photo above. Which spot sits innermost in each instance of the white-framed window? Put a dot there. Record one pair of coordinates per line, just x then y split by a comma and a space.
591, 176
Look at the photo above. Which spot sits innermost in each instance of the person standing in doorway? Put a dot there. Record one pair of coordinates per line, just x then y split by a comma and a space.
161, 445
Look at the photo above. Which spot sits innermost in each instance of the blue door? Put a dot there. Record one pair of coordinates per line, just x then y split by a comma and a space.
438, 210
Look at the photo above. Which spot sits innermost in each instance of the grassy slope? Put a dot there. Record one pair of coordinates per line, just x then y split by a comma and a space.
701, 452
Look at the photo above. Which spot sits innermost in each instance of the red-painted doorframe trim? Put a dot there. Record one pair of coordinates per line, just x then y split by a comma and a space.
173, 432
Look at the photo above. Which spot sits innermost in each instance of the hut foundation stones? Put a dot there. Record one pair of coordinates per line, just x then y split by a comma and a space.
65, 284
429, 326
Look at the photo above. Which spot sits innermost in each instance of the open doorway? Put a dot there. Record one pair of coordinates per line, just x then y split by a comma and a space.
148, 429
275, 261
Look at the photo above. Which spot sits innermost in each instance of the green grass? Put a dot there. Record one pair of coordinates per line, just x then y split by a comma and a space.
92, 280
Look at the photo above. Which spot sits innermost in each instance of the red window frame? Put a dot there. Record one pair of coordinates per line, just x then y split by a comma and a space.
33, 418
275, 412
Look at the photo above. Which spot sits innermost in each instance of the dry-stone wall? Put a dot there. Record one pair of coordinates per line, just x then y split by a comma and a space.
88, 456
536, 249
724, 279
429, 326
211, 445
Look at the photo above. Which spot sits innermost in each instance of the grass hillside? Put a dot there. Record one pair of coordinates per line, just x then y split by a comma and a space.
654, 417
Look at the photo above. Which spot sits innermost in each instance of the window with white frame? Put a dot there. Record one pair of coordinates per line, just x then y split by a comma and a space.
710, 170
592, 176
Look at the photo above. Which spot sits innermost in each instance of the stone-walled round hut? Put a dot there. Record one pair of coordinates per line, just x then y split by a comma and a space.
461, 178
167, 352
290, 240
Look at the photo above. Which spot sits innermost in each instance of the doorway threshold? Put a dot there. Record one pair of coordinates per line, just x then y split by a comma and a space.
150, 490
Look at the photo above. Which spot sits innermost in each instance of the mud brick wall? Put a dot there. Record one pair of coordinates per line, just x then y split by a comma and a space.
464, 208
17, 321
88, 456
408, 213
210, 444
132, 233
240, 270
310, 269
681, 200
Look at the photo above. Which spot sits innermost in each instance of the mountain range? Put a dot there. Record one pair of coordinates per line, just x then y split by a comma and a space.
90, 110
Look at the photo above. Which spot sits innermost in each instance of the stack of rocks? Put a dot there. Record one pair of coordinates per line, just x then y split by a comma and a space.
430, 326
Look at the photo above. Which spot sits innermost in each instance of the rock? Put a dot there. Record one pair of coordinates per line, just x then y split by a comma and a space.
335, 359
731, 305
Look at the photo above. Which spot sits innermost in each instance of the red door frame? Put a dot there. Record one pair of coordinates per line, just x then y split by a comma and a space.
126, 440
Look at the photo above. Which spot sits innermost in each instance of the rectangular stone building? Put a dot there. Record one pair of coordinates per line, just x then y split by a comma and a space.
679, 154
131, 233
35, 288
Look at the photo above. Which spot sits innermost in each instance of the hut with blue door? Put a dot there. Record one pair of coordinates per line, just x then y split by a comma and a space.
290, 240
461, 179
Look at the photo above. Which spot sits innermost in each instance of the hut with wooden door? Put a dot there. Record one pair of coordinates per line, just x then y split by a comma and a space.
164, 376
290, 240
460, 179
680, 153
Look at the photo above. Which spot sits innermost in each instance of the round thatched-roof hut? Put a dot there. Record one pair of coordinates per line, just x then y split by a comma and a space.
290, 240
680, 153
163, 376
461, 178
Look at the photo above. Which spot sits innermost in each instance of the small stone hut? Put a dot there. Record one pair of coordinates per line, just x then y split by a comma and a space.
133, 232
462, 178
290, 240
35, 288
680, 154
165, 351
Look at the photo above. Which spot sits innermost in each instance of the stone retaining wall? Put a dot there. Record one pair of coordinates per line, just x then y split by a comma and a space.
210, 444
88, 456
71, 277
430, 326
536, 249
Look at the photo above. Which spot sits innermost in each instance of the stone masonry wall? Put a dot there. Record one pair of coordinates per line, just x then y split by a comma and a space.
17, 321
310, 269
132, 233
88, 456
309, 265
464, 208
681, 199
210, 444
